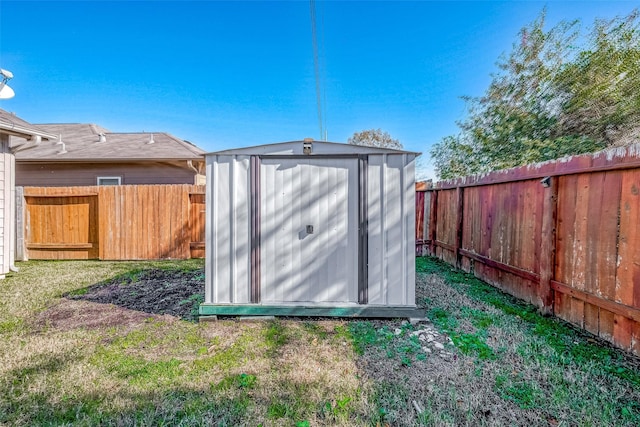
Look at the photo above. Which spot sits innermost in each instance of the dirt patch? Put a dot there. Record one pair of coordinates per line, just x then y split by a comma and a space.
155, 291
69, 315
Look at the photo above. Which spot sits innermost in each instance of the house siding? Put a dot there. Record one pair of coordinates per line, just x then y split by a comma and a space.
84, 174
7, 190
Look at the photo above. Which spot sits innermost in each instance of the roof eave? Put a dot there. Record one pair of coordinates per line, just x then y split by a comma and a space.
25, 132
61, 159
371, 150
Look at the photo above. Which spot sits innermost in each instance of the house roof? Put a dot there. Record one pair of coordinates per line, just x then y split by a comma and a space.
294, 148
84, 142
10, 124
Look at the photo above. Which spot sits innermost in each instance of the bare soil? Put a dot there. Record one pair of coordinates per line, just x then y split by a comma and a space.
153, 291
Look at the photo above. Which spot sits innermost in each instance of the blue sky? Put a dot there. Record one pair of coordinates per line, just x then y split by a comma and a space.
232, 74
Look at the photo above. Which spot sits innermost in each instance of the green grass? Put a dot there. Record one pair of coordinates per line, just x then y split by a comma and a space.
532, 361
403, 347
150, 370
512, 366
576, 347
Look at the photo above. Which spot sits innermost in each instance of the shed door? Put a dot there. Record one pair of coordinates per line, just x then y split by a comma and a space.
308, 230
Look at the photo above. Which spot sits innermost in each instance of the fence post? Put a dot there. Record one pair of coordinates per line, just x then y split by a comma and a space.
548, 246
459, 219
433, 217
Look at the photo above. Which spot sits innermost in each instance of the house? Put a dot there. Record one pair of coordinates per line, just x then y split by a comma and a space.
87, 154
310, 228
12, 128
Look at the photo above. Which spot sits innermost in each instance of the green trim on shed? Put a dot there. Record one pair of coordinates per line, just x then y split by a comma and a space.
303, 311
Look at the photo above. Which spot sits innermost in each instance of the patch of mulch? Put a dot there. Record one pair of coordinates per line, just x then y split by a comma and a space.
153, 291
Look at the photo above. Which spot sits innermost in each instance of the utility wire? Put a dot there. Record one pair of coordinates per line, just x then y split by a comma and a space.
320, 96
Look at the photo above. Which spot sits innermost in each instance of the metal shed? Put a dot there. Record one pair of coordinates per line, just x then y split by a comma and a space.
310, 228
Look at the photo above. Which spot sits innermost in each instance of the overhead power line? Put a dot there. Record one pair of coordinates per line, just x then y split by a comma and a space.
320, 96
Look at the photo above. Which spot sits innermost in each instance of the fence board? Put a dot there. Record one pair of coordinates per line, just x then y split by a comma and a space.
626, 331
573, 249
112, 222
197, 207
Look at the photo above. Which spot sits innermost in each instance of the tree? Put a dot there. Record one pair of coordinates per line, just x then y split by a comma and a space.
549, 99
375, 138
601, 87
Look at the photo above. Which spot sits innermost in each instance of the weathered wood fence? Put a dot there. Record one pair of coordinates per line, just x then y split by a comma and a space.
563, 235
111, 222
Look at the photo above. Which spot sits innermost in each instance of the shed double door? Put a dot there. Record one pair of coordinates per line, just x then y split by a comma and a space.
308, 230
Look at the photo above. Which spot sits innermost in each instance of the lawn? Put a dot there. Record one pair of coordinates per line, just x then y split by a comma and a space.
115, 343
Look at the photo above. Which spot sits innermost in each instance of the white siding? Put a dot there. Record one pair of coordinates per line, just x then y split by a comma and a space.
7, 205
321, 267
376, 236
228, 230
409, 214
391, 232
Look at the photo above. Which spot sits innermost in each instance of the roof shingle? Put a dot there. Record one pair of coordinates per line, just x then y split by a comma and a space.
83, 142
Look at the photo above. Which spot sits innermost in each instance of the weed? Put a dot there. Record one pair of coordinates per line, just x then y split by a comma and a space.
241, 381
194, 300
247, 381
275, 336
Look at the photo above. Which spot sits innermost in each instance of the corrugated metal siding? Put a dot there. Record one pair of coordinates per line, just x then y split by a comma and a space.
228, 233
296, 267
409, 232
309, 267
391, 213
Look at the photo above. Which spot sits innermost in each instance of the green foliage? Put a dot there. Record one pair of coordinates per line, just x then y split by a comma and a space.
194, 300
601, 85
551, 99
375, 138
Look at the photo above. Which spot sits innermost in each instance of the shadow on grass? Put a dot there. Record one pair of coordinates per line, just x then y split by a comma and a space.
179, 406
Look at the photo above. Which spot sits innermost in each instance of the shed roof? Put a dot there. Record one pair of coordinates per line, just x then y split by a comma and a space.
294, 148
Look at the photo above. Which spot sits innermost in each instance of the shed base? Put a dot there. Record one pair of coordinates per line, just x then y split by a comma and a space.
310, 310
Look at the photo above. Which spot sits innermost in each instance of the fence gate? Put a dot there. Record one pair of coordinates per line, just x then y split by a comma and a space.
62, 226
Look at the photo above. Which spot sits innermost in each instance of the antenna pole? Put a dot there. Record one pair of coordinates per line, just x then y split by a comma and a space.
316, 67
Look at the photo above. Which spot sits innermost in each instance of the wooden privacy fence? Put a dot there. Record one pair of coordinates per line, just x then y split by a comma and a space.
563, 235
111, 222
